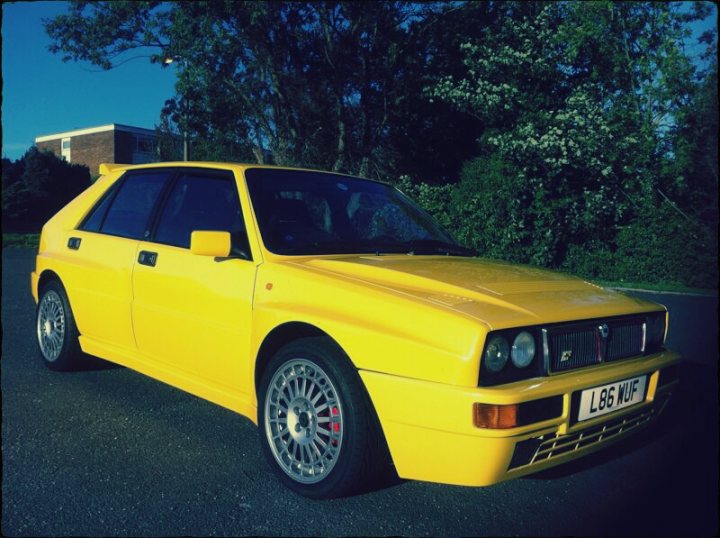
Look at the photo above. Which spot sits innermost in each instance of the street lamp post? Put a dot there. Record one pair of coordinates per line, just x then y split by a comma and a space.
185, 133
167, 61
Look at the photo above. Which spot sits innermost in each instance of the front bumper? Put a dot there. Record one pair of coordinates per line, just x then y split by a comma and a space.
430, 432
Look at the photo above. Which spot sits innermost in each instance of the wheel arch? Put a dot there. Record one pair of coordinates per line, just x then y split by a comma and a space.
48, 275
279, 337
289, 332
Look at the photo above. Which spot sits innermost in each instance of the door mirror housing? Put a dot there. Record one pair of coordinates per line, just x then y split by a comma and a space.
207, 243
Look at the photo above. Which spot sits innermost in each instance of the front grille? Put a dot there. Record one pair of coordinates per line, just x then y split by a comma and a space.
573, 349
555, 445
578, 345
625, 339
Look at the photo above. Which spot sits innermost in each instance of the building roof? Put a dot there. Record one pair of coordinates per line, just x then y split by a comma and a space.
99, 129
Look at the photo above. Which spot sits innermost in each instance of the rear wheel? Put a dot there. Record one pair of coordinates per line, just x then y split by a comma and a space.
317, 427
57, 334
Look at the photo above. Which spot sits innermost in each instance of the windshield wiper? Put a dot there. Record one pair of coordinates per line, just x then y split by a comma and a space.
343, 247
434, 246
378, 247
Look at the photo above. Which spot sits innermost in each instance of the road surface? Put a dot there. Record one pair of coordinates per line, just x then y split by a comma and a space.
107, 451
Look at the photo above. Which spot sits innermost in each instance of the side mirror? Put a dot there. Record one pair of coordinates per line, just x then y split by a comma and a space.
204, 243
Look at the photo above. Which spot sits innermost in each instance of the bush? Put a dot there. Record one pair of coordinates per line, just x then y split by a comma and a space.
436, 199
499, 214
664, 247
36, 186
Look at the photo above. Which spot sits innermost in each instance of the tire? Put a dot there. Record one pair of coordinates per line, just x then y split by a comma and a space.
57, 334
317, 427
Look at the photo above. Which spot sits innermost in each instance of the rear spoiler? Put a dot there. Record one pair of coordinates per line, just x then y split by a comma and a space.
106, 168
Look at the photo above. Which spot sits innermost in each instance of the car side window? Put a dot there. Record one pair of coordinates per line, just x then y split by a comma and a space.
200, 201
131, 208
94, 220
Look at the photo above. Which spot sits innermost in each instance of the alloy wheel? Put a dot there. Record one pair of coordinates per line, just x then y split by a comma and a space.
304, 421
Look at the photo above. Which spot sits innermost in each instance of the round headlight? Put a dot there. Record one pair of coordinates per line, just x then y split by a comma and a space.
496, 353
656, 330
523, 349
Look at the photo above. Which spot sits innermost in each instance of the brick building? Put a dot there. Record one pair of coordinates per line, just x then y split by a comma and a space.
113, 143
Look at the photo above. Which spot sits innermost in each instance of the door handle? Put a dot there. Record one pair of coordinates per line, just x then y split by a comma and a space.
74, 243
147, 258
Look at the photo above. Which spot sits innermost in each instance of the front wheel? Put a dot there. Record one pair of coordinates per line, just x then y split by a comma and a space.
317, 427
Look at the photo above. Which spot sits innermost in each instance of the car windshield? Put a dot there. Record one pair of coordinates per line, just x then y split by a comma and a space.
303, 212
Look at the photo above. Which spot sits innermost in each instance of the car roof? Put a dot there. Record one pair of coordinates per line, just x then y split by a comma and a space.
106, 168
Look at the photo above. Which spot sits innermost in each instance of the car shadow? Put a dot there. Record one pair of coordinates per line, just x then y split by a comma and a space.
90, 363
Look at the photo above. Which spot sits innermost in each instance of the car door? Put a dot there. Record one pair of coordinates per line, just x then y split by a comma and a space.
192, 313
103, 251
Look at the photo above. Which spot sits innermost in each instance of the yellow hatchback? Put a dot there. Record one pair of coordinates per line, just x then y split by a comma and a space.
346, 323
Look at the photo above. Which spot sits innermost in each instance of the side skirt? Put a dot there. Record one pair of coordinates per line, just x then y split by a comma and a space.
238, 402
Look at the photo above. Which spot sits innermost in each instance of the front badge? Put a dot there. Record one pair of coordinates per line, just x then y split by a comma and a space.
604, 331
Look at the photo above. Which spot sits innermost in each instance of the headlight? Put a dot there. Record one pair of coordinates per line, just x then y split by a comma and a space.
655, 331
496, 353
522, 345
523, 349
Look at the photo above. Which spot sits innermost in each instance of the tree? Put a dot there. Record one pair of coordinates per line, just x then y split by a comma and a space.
431, 139
11, 172
41, 184
696, 165
316, 83
580, 100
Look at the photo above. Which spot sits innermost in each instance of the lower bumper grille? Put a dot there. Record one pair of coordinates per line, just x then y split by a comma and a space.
541, 449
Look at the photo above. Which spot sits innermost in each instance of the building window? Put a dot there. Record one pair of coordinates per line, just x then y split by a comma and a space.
65, 149
144, 144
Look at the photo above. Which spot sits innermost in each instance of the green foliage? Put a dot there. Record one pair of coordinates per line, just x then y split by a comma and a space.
575, 135
170, 142
592, 141
658, 248
488, 202
36, 186
695, 167
662, 247
485, 211
436, 199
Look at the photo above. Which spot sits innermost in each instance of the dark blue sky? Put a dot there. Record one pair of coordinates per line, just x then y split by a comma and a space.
44, 95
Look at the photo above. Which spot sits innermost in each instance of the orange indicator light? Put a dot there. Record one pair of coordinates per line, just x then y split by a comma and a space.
494, 416
268, 286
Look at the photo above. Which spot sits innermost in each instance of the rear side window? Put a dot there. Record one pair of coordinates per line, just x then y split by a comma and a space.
130, 209
94, 220
201, 201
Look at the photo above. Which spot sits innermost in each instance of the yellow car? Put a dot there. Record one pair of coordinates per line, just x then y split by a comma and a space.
340, 318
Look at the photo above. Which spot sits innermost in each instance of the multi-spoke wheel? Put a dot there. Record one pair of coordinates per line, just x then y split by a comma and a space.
303, 421
56, 331
316, 425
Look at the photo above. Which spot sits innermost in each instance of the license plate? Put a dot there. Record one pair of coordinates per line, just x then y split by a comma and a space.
599, 401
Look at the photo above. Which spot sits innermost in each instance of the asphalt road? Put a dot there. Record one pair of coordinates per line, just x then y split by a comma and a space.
109, 452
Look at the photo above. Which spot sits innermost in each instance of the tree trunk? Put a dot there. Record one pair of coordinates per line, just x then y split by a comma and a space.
340, 149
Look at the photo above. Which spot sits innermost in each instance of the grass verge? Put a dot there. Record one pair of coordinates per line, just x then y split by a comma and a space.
654, 286
20, 240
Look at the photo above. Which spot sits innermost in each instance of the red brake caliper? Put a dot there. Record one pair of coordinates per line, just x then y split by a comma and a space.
336, 425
